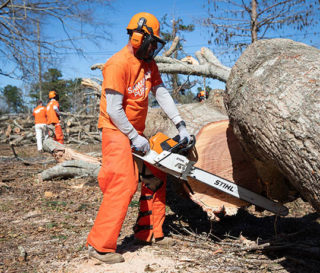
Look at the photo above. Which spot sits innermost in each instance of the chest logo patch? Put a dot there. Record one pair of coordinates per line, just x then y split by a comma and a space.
139, 88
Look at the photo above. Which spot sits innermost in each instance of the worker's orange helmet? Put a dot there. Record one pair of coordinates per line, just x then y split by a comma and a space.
150, 22
52, 94
144, 30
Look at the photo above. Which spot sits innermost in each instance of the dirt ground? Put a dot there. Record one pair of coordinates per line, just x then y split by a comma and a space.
44, 227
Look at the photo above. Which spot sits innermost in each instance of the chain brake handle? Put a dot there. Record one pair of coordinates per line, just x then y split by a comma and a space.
183, 146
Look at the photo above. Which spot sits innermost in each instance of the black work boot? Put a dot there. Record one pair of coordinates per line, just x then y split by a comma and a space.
106, 257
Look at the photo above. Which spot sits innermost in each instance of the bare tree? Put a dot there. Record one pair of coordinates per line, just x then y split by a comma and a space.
174, 30
234, 25
33, 29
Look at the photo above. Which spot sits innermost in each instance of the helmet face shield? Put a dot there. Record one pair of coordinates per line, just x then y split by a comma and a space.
158, 45
150, 47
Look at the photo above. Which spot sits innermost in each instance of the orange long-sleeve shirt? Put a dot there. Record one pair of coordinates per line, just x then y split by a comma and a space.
40, 115
134, 79
52, 116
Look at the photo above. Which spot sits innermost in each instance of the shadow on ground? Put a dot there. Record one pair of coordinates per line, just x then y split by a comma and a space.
294, 237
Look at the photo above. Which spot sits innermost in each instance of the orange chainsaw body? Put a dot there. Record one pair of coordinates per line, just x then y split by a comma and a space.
161, 142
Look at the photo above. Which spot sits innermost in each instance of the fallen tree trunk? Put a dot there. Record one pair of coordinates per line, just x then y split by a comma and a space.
273, 102
62, 153
196, 115
71, 168
71, 162
276, 123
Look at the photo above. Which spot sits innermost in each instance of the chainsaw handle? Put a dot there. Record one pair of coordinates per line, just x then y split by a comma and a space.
189, 145
183, 146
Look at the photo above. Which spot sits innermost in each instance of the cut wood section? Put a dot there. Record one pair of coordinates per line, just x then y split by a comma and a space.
220, 153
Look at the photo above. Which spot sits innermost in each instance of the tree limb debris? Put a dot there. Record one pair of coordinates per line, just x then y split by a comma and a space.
69, 169
209, 66
71, 163
172, 48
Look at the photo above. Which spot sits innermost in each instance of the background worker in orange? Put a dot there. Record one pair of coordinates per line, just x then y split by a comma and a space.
40, 120
128, 77
202, 95
53, 116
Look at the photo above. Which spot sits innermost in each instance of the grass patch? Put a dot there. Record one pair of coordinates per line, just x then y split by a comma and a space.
51, 225
83, 207
55, 205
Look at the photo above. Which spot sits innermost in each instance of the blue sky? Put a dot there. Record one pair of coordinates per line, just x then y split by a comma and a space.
123, 11
74, 66
78, 66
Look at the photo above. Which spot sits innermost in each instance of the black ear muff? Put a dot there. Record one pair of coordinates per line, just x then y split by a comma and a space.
136, 39
138, 34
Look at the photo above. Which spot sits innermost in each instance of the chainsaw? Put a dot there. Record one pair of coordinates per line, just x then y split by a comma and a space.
172, 156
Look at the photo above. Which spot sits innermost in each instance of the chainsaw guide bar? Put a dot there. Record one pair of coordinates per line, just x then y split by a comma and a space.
181, 167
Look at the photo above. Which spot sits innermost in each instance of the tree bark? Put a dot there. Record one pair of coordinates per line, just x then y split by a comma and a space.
71, 168
273, 102
71, 162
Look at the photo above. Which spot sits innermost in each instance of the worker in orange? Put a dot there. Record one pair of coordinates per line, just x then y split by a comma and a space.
53, 116
128, 78
40, 120
202, 96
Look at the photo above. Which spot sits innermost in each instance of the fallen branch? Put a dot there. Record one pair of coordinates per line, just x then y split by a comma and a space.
69, 169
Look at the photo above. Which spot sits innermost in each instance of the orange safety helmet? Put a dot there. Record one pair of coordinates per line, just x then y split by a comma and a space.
52, 94
144, 30
151, 22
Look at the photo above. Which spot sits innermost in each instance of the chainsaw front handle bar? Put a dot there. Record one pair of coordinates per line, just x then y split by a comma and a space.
183, 146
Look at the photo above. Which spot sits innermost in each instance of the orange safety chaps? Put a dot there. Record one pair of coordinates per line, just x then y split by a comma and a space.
55, 131
58, 134
118, 181
152, 208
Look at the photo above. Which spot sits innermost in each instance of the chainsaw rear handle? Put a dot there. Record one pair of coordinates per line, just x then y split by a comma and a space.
183, 146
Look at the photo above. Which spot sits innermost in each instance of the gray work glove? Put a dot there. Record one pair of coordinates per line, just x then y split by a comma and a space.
141, 144
183, 133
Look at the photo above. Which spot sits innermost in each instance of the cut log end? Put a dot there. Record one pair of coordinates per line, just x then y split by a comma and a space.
220, 153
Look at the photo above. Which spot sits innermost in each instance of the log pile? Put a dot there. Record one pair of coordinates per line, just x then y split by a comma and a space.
81, 129
19, 129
